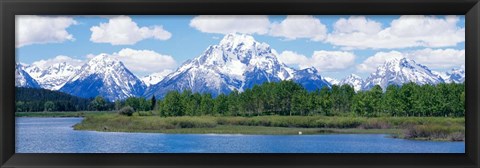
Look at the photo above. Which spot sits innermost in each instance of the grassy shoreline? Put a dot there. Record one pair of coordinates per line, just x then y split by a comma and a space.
255, 130
61, 114
415, 128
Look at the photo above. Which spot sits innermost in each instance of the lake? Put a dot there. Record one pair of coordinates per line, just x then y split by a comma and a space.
56, 135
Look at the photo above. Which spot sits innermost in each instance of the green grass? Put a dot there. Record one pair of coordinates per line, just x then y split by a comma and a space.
256, 130
418, 128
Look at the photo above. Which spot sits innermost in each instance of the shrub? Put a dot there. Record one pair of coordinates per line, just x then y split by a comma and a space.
127, 111
375, 124
432, 132
145, 113
192, 122
457, 136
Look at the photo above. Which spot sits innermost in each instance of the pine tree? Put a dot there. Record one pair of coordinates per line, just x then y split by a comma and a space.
154, 102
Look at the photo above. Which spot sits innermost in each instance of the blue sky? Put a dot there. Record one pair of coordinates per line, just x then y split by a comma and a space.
346, 44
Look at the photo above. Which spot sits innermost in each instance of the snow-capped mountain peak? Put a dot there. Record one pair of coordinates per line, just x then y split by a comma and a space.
332, 81
233, 40
456, 75
23, 79
237, 62
155, 77
104, 76
54, 76
400, 71
353, 80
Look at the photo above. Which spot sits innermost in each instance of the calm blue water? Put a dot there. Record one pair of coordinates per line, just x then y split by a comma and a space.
55, 135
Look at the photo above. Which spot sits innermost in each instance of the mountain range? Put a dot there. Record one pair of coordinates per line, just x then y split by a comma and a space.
105, 76
238, 62
53, 77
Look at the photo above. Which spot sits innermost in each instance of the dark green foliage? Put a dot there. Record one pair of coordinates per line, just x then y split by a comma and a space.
137, 103
285, 98
99, 104
127, 111
172, 105
49, 106
154, 102
34, 100
206, 104
220, 105
288, 98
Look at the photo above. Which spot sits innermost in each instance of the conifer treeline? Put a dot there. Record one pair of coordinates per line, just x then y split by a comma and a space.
289, 98
273, 98
34, 100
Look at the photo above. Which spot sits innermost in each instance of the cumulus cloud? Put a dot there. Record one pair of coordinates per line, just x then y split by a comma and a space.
332, 60
357, 24
31, 29
371, 63
122, 30
224, 24
432, 58
42, 64
299, 26
321, 60
293, 27
439, 58
358, 32
145, 61
292, 58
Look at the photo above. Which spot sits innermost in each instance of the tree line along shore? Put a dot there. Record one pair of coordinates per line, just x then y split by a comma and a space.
411, 111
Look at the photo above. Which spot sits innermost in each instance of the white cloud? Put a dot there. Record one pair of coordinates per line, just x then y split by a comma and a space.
145, 61
292, 58
224, 24
357, 24
122, 30
407, 31
371, 63
299, 26
332, 60
293, 27
32, 29
321, 60
439, 58
42, 64
90, 56
432, 58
